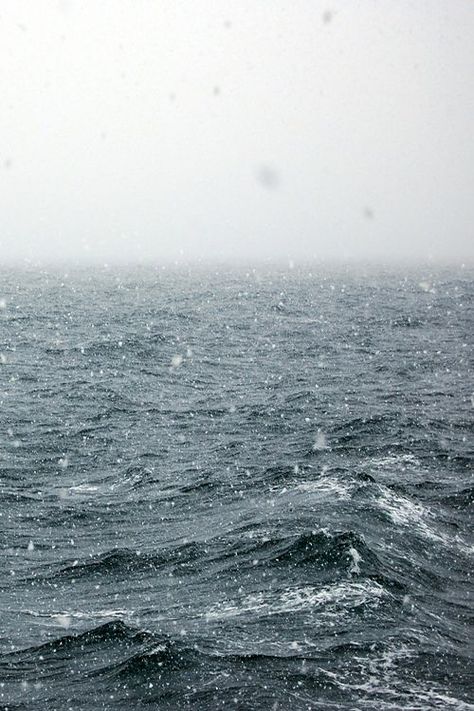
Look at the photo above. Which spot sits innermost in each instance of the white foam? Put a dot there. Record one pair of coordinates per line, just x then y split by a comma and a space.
64, 618
260, 535
395, 460
356, 559
156, 650
326, 486
331, 601
383, 686
83, 489
100, 614
401, 510
421, 519
442, 701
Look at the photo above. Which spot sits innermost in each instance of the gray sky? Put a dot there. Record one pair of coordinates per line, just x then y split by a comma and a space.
293, 129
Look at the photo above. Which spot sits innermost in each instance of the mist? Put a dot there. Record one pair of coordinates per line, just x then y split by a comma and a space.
153, 131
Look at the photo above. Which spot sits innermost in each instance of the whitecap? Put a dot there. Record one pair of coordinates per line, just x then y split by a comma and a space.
326, 486
394, 460
356, 559
421, 519
83, 489
331, 601
383, 685
158, 649
65, 617
406, 512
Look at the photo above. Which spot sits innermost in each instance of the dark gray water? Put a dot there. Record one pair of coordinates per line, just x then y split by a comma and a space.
231, 489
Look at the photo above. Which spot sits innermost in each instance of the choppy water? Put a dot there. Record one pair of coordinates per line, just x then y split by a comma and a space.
231, 489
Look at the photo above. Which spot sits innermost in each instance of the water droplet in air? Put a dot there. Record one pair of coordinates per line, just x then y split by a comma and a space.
176, 360
320, 441
63, 620
268, 177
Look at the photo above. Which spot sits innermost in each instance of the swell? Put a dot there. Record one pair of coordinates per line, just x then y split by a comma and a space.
317, 548
111, 640
460, 500
142, 666
340, 552
317, 555
122, 561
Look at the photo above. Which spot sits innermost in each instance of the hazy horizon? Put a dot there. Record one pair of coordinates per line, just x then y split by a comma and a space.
430, 266
305, 133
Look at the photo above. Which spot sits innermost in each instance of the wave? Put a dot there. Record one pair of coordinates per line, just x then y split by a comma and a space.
461, 500
421, 520
322, 550
108, 635
122, 560
138, 667
331, 602
343, 553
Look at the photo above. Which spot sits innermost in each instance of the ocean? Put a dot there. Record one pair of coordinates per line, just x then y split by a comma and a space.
236, 488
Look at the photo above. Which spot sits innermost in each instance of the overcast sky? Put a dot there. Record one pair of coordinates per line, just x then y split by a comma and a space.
293, 129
